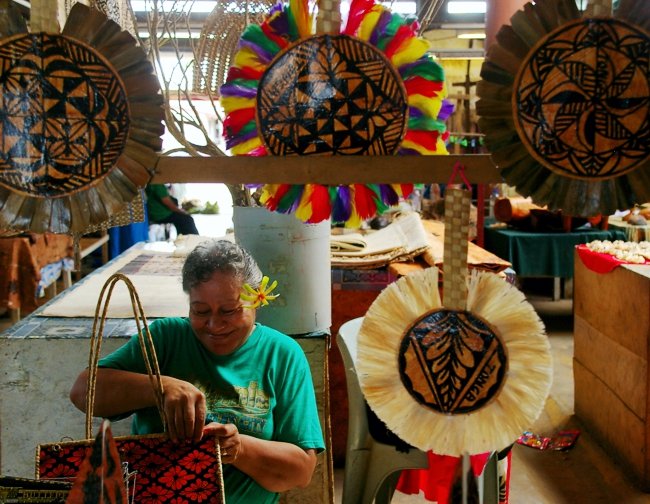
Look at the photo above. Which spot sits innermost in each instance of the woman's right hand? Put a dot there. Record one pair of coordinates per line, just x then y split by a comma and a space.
184, 409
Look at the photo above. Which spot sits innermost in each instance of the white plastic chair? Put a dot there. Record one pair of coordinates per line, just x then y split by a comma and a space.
371, 467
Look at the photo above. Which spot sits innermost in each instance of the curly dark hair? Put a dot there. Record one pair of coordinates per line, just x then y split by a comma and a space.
223, 256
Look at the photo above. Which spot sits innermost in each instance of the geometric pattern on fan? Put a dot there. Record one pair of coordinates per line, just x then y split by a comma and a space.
452, 361
63, 115
331, 94
582, 99
80, 123
413, 66
454, 381
563, 103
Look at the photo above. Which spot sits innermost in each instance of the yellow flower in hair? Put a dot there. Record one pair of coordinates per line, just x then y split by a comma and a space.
260, 296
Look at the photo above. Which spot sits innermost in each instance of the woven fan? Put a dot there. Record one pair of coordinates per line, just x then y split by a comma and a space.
468, 376
367, 87
219, 40
564, 105
81, 123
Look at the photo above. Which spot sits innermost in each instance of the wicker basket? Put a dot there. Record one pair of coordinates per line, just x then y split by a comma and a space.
27, 491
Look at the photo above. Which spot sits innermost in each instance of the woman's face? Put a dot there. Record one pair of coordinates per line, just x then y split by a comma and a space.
217, 315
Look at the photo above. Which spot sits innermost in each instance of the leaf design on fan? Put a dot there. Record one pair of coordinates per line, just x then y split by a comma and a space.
452, 361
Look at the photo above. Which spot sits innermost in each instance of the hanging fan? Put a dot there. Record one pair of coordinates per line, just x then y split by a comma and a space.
219, 39
370, 87
468, 376
564, 106
80, 121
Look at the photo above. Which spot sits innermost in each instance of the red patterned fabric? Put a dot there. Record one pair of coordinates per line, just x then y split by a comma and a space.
160, 471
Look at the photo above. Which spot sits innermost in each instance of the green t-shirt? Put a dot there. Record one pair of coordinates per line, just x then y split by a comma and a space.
264, 388
156, 209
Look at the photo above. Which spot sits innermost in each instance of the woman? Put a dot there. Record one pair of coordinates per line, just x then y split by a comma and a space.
250, 382
162, 208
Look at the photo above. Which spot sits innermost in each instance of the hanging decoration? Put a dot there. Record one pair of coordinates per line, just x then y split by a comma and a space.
370, 87
564, 106
80, 123
468, 376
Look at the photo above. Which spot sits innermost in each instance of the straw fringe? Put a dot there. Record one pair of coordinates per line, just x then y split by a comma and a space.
499, 422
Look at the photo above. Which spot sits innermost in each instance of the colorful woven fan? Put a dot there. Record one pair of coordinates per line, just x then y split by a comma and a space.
80, 121
370, 87
466, 377
564, 105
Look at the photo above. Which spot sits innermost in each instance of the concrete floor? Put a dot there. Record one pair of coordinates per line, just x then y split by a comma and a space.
584, 474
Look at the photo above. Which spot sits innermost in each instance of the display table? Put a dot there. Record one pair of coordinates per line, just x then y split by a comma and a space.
543, 254
610, 366
632, 232
22, 259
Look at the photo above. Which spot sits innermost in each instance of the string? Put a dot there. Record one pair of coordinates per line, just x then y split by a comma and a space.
459, 170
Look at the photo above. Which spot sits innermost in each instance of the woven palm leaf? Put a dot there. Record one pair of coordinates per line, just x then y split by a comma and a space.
219, 39
369, 86
535, 106
101, 133
468, 376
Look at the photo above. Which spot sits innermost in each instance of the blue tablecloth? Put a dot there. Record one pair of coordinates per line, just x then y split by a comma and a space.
542, 254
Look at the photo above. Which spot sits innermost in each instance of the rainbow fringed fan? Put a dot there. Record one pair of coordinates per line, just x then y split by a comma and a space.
369, 88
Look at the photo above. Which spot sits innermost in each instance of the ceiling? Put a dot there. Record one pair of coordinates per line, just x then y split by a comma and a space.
444, 25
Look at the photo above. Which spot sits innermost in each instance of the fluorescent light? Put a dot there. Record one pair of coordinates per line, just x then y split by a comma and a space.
179, 35
200, 7
467, 7
471, 35
459, 54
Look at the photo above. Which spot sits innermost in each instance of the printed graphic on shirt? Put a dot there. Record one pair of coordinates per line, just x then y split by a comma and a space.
246, 407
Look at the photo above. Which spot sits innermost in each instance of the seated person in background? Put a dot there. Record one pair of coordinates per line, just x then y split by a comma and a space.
211, 363
162, 208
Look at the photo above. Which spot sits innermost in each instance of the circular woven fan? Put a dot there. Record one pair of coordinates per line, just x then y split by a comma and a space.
370, 87
81, 122
218, 41
564, 106
449, 380
333, 95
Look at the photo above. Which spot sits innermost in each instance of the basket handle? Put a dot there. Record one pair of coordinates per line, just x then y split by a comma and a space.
146, 345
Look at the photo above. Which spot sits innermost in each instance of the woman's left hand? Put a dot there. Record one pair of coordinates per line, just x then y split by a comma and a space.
229, 440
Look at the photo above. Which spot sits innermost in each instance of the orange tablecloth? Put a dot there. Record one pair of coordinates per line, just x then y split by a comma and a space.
21, 260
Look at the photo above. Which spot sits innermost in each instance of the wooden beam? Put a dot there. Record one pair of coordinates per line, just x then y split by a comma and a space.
328, 170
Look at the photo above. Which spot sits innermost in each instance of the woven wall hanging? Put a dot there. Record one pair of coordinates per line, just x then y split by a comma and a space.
468, 376
368, 87
80, 123
564, 106
219, 41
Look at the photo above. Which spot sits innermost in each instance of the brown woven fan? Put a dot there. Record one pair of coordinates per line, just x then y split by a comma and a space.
564, 105
81, 162
466, 377
218, 42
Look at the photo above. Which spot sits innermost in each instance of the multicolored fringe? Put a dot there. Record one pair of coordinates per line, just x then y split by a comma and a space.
396, 36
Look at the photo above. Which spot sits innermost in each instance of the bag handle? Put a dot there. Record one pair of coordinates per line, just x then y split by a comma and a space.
146, 346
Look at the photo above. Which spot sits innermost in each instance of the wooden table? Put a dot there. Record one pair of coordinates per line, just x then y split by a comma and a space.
535, 254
